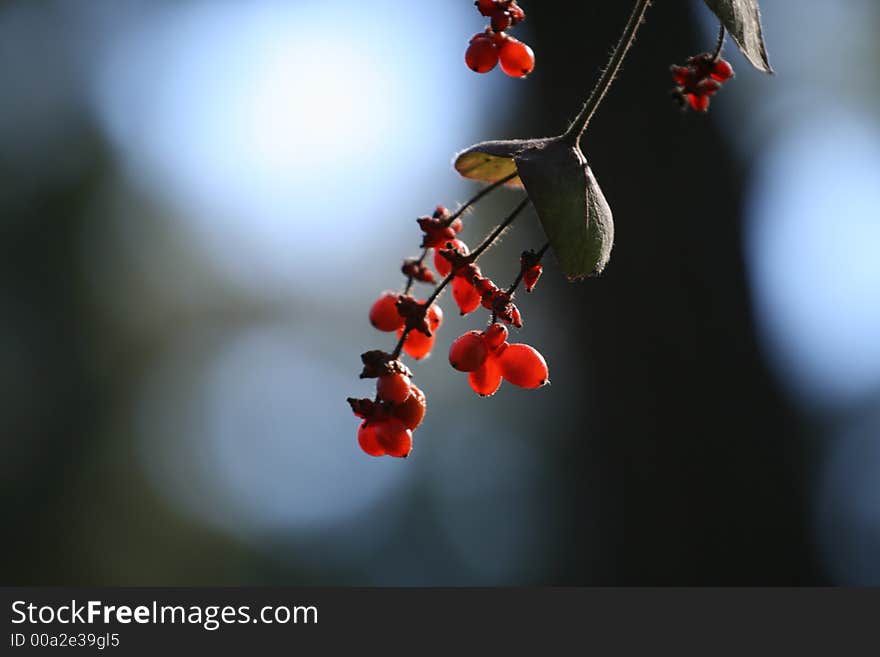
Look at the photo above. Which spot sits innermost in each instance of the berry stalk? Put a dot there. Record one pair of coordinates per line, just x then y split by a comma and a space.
534, 261
519, 277
472, 258
716, 55
579, 125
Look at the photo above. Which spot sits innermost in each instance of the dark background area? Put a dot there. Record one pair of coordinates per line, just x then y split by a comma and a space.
675, 447
693, 441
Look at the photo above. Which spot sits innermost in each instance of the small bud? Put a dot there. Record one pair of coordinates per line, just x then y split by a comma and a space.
413, 268
530, 264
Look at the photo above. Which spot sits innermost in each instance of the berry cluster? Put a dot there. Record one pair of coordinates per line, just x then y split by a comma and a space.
494, 45
471, 289
403, 313
487, 357
700, 79
438, 229
399, 406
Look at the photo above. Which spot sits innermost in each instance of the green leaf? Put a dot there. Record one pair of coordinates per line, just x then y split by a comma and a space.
742, 18
570, 205
563, 191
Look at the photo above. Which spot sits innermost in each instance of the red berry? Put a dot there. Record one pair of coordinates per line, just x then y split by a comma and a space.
485, 286
441, 264
368, 440
499, 38
707, 87
384, 315
412, 411
393, 436
417, 344
515, 316
481, 55
523, 366
457, 225
682, 75
485, 7
488, 292
531, 276
436, 233
495, 335
486, 380
501, 20
465, 295
698, 103
469, 352
394, 388
516, 13
722, 70
435, 317
517, 59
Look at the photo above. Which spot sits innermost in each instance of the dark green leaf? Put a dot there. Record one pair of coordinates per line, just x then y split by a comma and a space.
742, 18
570, 205
563, 191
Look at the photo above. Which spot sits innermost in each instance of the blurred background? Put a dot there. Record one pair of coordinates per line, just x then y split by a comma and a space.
199, 201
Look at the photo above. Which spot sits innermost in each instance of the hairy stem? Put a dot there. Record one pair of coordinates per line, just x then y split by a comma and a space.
479, 195
579, 125
500, 228
472, 258
719, 45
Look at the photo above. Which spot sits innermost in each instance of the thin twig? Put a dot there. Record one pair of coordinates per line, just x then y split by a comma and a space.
500, 228
719, 45
455, 215
472, 258
486, 190
579, 125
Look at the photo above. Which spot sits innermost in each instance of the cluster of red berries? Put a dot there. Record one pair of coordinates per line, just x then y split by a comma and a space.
700, 79
399, 406
398, 312
494, 45
438, 229
487, 357
471, 289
